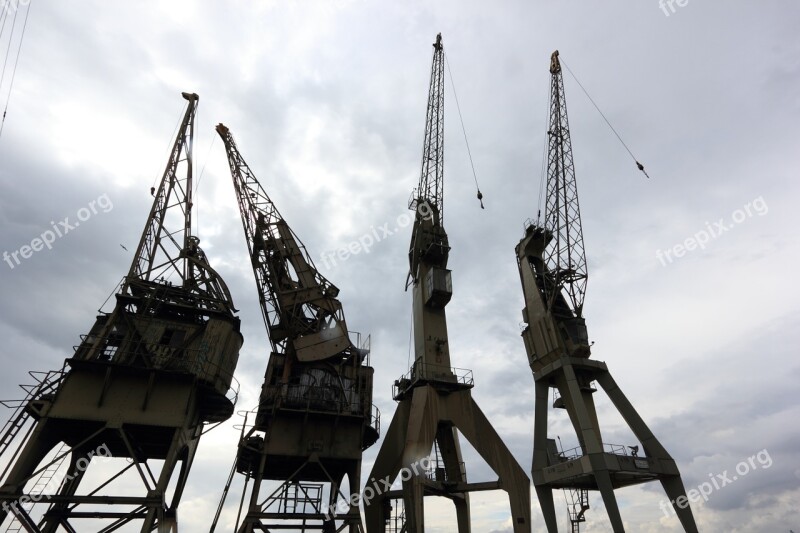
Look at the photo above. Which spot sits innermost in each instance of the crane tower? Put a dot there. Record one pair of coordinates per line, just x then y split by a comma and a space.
315, 414
139, 390
553, 271
434, 399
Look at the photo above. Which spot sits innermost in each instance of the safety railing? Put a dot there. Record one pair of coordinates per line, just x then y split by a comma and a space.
363, 343
438, 472
459, 377
613, 449
375, 418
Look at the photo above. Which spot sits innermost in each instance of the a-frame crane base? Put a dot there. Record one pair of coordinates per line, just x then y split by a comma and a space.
433, 411
596, 467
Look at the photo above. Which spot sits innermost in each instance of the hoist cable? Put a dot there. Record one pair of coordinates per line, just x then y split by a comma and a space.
638, 165
16, 61
464, 129
168, 151
196, 217
4, 18
8, 50
542, 175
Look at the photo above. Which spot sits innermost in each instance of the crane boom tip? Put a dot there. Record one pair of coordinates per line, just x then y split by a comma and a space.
555, 64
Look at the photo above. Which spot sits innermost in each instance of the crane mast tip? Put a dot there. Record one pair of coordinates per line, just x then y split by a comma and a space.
555, 64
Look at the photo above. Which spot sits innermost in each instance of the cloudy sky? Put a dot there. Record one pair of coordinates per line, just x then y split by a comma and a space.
327, 101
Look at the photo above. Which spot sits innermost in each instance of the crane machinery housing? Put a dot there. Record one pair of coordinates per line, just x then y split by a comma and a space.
434, 399
315, 415
553, 272
138, 392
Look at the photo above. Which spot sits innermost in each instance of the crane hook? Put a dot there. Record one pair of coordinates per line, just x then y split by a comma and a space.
480, 198
641, 167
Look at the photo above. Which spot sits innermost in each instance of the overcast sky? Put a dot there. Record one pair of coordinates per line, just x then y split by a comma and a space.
327, 103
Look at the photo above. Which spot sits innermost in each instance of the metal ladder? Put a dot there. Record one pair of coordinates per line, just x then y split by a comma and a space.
42, 482
46, 382
20, 416
577, 507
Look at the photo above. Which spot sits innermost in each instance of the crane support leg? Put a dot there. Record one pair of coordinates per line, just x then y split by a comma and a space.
450, 450
462, 512
354, 480
386, 468
547, 504
581, 409
603, 480
433, 414
649, 441
673, 485
675, 489
543, 492
183, 448
475, 427
413, 498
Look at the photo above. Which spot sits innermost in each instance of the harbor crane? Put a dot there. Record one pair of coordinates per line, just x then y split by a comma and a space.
315, 415
434, 399
127, 410
553, 271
